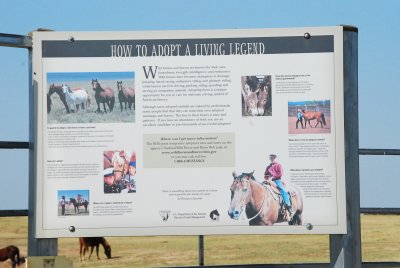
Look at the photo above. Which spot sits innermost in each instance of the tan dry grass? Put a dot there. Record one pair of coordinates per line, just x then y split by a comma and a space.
380, 242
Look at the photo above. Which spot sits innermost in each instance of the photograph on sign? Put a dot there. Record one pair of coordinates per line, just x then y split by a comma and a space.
119, 172
207, 132
256, 96
307, 117
76, 94
73, 203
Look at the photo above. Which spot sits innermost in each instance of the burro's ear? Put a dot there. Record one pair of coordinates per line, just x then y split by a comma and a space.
234, 174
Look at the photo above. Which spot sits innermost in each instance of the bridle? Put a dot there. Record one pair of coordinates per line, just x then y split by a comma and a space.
261, 208
262, 205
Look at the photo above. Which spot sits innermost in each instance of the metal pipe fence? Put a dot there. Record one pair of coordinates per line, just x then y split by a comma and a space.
19, 41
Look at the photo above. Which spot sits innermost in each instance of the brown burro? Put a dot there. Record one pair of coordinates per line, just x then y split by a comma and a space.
12, 253
86, 242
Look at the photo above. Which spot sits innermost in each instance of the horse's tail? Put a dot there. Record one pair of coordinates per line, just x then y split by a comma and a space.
323, 119
17, 260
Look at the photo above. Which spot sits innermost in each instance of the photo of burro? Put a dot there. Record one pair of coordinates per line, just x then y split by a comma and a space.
90, 97
265, 202
256, 95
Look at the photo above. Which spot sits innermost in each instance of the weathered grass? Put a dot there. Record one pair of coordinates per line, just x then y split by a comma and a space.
380, 242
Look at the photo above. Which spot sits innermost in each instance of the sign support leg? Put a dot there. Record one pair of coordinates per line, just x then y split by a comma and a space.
201, 250
36, 247
345, 249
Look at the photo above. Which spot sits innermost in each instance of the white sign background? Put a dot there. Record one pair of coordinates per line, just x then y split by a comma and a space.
156, 208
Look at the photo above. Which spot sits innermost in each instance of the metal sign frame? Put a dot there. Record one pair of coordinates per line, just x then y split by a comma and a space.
345, 249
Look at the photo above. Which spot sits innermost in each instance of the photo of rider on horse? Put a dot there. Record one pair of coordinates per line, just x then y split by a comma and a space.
272, 176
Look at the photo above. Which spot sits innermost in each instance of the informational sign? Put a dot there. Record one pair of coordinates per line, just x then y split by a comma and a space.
189, 132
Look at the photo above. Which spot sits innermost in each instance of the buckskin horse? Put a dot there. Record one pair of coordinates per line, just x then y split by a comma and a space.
86, 242
103, 95
261, 205
320, 117
12, 253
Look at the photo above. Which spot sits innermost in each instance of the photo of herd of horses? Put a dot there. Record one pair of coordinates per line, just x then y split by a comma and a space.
94, 101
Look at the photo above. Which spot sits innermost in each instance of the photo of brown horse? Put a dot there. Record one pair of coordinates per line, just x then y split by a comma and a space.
316, 114
126, 96
260, 204
103, 96
308, 116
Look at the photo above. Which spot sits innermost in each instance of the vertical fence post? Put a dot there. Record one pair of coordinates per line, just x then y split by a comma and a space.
36, 247
345, 249
201, 250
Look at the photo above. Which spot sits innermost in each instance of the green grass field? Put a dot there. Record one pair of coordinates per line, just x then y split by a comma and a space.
380, 243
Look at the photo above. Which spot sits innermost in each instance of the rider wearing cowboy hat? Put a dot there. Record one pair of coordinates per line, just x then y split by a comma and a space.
273, 174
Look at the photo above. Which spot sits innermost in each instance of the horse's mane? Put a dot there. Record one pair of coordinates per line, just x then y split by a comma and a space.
240, 177
252, 81
250, 175
104, 242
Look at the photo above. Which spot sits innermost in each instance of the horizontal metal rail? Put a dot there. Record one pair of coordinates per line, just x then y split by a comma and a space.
14, 213
302, 265
382, 211
14, 145
378, 151
13, 40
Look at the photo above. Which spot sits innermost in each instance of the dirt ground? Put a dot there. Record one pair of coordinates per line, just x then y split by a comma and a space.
309, 130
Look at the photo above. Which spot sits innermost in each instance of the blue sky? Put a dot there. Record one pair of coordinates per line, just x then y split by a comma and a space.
88, 76
73, 194
378, 23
